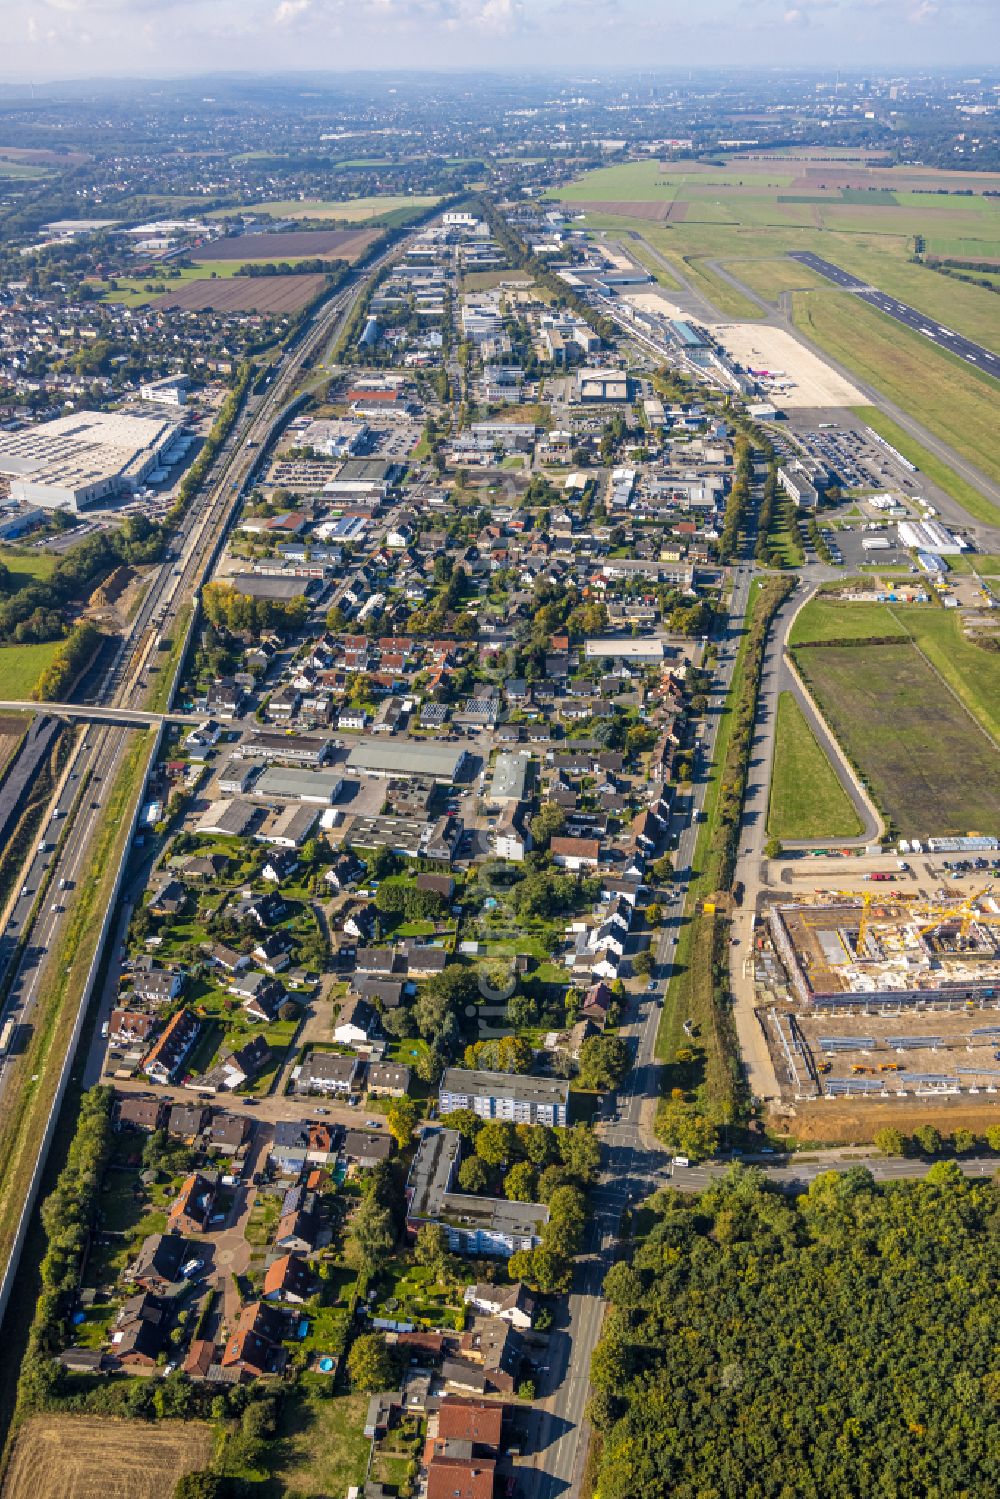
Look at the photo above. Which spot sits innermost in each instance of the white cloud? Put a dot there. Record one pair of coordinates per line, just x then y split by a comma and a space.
290, 10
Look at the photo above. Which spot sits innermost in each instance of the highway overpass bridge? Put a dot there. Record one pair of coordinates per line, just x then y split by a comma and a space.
129, 718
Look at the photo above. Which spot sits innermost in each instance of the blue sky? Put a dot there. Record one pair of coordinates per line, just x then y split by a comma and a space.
44, 39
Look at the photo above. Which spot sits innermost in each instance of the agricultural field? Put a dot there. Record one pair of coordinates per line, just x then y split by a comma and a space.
350, 210
952, 401
22, 169
83, 1457
929, 766
746, 210
22, 665
296, 244
274, 295
807, 799
972, 673
139, 291
42, 156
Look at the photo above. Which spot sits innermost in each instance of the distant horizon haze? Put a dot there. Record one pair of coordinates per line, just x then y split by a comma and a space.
52, 41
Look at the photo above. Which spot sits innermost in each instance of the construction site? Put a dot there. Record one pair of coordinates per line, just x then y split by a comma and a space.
882, 997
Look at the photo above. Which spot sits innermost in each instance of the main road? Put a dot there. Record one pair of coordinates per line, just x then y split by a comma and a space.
632, 1161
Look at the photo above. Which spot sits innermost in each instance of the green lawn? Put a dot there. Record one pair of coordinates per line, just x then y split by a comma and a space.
22, 665
930, 768
27, 565
131, 290
807, 799
322, 1448
986, 564
769, 278
827, 617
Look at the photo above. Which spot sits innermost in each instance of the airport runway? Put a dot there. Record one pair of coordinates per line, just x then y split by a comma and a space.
945, 338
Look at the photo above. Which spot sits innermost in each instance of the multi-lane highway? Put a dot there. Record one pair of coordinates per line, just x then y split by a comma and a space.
35, 926
946, 338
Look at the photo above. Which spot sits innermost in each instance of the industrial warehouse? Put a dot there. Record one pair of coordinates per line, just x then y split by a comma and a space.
79, 460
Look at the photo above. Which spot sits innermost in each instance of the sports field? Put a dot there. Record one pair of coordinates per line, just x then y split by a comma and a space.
86, 1457
806, 800
930, 768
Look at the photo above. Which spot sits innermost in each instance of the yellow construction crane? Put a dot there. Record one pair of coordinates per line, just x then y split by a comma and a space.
965, 913
867, 898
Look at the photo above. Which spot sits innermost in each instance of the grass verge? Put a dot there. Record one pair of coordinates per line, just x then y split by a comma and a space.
169, 664
698, 989
806, 798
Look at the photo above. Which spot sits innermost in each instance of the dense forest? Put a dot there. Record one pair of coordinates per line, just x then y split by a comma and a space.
840, 1344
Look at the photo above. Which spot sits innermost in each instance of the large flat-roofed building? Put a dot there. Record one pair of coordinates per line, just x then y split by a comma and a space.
504, 1095
170, 391
406, 757
267, 586
625, 649
293, 784
474, 1225
295, 749
82, 459
602, 385
510, 776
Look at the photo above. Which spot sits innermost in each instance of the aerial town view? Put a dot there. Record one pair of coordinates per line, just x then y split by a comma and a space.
499, 751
